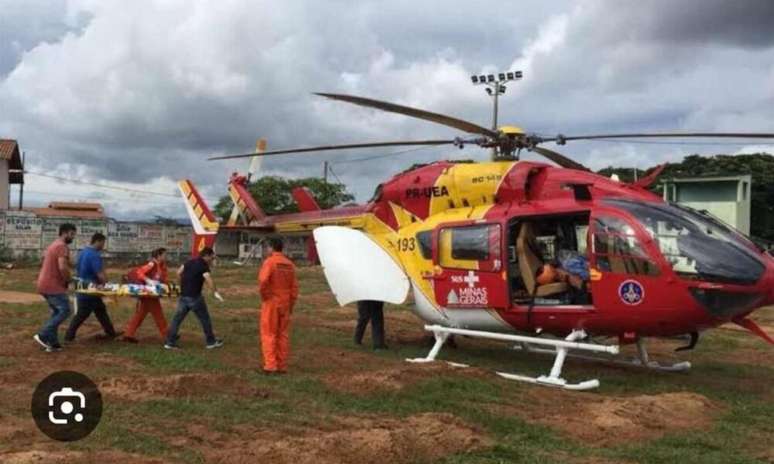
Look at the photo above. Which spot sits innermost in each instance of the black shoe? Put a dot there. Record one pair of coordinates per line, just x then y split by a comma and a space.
267, 372
381, 347
55, 347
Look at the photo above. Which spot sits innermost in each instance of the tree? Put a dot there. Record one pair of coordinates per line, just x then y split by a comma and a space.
273, 194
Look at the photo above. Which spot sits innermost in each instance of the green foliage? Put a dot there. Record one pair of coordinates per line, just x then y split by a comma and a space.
273, 195
759, 165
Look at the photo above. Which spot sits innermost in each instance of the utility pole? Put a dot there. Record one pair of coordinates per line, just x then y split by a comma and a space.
325, 172
495, 86
21, 186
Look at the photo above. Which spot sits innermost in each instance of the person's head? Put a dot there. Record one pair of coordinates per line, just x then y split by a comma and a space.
207, 254
98, 241
67, 232
274, 244
159, 254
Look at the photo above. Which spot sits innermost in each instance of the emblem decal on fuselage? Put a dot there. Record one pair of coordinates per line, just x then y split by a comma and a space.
468, 294
631, 292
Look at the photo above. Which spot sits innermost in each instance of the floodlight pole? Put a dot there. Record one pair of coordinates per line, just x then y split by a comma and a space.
495, 86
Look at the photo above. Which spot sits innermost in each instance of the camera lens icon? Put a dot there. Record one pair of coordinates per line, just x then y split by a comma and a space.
64, 399
66, 406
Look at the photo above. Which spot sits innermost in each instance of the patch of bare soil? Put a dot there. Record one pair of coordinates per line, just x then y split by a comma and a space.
14, 429
241, 312
391, 378
145, 387
324, 300
7, 296
66, 457
611, 420
422, 437
240, 290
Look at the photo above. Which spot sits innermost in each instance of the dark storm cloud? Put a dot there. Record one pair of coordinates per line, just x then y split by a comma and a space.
25, 24
746, 23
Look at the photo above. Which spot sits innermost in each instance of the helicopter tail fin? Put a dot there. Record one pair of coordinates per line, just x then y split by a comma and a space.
648, 180
203, 221
244, 203
305, 200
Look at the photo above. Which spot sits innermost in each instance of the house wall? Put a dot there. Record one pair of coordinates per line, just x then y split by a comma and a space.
5, 188
27, 235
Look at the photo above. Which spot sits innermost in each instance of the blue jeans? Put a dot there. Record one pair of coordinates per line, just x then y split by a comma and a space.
199, 308
60, 311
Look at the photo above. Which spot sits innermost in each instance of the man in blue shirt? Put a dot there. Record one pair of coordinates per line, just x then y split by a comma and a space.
90, 271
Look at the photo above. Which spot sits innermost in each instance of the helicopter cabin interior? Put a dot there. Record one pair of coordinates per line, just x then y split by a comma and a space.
548, 259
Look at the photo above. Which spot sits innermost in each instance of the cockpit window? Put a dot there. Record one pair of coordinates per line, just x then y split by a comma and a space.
695, 246
617, 248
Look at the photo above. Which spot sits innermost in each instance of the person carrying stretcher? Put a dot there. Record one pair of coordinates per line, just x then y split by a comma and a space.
152, 273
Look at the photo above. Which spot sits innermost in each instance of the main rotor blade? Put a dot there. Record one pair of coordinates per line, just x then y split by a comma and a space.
560, 159
339, 147
414, 113
727, 135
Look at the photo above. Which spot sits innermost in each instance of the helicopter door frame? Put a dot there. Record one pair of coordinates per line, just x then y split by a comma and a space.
458, 285
630, 270
529, 305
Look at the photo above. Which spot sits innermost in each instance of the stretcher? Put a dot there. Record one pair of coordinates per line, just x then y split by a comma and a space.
131, 290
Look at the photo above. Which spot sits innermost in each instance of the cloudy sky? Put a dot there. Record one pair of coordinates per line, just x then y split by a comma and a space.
134, 95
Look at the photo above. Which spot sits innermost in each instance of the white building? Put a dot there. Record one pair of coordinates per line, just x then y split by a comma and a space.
727, 198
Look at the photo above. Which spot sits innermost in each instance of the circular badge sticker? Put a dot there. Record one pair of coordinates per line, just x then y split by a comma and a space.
631, 292
66, 406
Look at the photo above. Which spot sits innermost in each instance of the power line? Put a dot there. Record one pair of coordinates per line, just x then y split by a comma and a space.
103, 186
330, 169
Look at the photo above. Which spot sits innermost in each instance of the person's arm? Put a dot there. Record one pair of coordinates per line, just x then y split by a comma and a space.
180, 271
264, 276
99, 270
142, 273
293, 292
63, 261
211, 284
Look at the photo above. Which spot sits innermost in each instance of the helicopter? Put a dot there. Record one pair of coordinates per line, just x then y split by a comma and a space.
474, 242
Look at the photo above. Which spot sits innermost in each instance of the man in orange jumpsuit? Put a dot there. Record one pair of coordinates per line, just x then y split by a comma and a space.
279, 290
152, 273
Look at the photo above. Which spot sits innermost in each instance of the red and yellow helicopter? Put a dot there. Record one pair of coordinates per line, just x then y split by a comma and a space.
544, 256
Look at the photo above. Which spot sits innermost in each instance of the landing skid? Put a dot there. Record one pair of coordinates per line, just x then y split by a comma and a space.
641, 361
560, 349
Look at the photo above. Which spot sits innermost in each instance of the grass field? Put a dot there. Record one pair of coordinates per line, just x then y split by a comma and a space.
342, 403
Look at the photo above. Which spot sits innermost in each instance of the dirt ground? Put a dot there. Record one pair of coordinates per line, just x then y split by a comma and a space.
11, 297
346, 404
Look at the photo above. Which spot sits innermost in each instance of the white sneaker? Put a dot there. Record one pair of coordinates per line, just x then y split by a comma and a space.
216, 344
45, 345
167, 346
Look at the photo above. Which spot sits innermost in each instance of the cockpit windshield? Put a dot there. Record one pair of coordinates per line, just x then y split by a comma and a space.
696, 246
